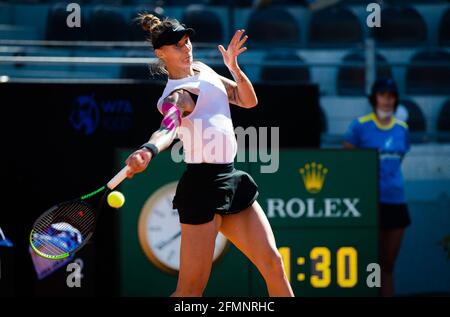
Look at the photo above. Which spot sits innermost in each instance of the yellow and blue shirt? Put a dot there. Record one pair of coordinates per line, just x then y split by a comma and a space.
392, 142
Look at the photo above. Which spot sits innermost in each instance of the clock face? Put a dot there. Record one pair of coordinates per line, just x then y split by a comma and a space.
160, 231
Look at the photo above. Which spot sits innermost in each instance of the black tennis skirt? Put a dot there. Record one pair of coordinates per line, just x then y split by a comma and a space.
206, 189
394, 216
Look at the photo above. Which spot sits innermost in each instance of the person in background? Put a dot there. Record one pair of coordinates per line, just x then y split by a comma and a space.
381, 130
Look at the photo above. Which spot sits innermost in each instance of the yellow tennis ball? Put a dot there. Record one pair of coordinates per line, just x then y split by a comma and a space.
116, 199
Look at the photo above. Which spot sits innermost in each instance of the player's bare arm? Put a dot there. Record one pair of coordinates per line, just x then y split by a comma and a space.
240, 91
175, 106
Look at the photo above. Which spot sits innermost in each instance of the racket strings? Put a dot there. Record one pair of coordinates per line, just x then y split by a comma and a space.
65, 216
63, 229
57, 241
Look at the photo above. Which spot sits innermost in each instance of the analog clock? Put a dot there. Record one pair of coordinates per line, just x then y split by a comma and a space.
159, 231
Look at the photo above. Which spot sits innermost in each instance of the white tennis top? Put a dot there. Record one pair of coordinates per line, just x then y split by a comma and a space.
207, 132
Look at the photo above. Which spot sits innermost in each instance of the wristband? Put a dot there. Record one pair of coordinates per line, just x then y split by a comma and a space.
151, 147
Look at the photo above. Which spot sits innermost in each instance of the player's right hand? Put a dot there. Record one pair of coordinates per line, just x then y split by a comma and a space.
138, 161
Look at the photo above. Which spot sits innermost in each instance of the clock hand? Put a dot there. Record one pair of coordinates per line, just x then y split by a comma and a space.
164, 243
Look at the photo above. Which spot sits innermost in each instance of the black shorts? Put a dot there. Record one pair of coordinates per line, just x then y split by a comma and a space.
393, 216
206, 189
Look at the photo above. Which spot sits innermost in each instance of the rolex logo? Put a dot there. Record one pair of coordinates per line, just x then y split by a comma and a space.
313, 176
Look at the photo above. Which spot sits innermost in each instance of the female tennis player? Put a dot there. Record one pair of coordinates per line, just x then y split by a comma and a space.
211, 195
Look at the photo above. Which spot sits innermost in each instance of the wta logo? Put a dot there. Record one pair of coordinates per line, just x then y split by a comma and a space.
85, 115
88, 115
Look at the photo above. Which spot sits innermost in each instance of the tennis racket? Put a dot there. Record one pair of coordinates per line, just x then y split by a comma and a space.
67, 226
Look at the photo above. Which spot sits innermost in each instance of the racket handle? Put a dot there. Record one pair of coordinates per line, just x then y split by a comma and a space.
116, 180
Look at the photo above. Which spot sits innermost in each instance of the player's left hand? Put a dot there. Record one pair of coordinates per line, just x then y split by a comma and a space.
234, 49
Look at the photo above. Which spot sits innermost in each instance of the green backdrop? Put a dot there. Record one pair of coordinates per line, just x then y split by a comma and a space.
322, 205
